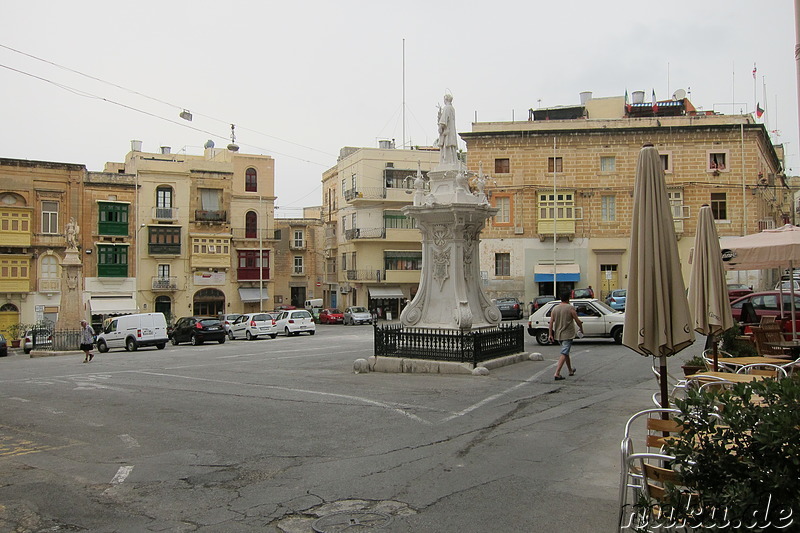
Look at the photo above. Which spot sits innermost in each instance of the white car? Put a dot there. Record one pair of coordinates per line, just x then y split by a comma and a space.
357, 315
599, 320
295, 322
252, 326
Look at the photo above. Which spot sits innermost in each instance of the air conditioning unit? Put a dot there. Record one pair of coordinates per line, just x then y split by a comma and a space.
212, 249
344, 289
519, 230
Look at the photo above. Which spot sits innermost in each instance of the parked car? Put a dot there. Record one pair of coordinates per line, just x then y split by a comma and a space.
197, 330
331, 316
768, 303
737, 290
133, 331
616, 299
3, 346
295, 322
786, 285
599, 320
253, 325
227, 320
510, 308
541, 300
38, 337
356, 315
582, 293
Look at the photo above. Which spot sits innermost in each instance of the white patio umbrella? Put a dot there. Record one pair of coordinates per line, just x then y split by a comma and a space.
772, 248
657, 319
708, 291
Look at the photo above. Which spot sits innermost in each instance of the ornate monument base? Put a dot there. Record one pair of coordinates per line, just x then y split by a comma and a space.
70, 311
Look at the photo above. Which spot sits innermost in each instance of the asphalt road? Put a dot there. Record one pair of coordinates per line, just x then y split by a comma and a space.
282, 436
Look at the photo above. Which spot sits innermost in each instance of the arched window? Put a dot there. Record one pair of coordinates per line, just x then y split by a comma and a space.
250, 180
250, 225
49, 268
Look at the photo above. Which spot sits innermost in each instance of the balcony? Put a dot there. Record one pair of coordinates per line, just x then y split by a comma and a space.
15, 227
164, 249
252, 274
297, 245
402, 276
119, 229
165, 283
364, 233
242, 234
219, 261
564, 228
165, 214
365, 193
15, 285
202, 215
49, 284
370, 274
766, 223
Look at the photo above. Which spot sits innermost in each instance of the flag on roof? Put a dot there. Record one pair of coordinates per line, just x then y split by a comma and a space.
754, 71
759, 111
655, 102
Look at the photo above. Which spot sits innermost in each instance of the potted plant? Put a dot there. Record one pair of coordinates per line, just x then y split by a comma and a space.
693, 365
16, 332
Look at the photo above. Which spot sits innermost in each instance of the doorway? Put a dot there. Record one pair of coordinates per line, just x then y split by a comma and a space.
208, 302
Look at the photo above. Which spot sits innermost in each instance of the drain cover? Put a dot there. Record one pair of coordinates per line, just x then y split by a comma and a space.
351, 521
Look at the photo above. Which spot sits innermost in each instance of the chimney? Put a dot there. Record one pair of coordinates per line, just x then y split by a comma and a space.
638, 97
136, 146
165, 150
585, 97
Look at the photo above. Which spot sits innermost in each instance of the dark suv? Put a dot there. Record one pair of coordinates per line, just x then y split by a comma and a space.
197, 330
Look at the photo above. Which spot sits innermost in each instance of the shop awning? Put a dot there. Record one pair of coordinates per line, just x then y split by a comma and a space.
567, 272
251, 294
112, 306
386, 292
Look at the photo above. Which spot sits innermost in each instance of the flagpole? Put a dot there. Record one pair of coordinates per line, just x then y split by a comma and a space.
755, 96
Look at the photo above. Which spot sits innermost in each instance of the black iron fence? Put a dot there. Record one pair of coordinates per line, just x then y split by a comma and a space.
394, 340
55, 340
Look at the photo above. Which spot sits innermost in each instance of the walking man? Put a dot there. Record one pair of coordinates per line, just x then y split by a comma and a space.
87, 341
563, 319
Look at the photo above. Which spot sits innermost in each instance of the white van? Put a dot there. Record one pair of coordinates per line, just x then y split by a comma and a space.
316, 303
132, 331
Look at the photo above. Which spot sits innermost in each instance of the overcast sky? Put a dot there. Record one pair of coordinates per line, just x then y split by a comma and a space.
302, 79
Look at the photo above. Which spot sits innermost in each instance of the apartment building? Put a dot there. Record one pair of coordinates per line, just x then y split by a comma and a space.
206, 229
372, 253
563, 183
299, 259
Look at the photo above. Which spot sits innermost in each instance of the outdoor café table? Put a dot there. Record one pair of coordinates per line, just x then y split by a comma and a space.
793, 346
757, 359
736, 378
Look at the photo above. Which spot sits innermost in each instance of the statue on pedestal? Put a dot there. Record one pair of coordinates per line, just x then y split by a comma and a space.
72, 234
448, 137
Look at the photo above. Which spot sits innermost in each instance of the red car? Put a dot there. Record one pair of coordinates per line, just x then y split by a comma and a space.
331, 316
768, 303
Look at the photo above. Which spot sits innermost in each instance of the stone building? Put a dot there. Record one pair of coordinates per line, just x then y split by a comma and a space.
298, 259
372, 252
563, 182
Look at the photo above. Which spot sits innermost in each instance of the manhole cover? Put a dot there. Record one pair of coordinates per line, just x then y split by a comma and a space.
351, 521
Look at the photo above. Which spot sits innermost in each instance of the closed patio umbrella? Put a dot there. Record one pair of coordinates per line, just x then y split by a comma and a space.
657, 319
708, 290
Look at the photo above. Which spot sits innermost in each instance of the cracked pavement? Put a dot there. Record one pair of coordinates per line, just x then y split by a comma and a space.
273, 435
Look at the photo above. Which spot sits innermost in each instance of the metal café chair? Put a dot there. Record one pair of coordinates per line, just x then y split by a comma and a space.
708, 357
650, 438
764, 369
657, 474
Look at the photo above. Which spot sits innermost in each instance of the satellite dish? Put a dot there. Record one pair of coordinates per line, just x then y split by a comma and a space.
680, 94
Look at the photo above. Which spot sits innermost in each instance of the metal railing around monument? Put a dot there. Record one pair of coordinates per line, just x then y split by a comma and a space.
55, 340
475, 346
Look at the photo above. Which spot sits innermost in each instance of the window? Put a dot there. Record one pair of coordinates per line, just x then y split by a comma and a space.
353, 182
554, 164
113, 218
503, 216
50, 217
502, 264
210, 199
250, 267
164, 240
402, 260
676, 203
250, 180
210, 246
299, 241
344, 261
561, 206
163, 271
298, 264
14, 269
112, 261
49, 267
250, 225
608, 163
717, 160
666, 161
719, 205
502, 166
397, 220
164, 202
353, 261
608, 208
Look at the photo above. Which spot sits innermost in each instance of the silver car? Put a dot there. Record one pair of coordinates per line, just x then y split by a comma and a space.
357, 315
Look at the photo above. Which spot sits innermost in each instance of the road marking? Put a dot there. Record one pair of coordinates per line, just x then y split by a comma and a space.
130, 441
304, 391
122, 473
493, 397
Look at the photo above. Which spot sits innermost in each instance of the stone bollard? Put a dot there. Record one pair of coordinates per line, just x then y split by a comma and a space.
536, 356
360, 365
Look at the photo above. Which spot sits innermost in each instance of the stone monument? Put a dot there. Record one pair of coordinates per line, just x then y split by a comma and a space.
450, 217
70, 311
